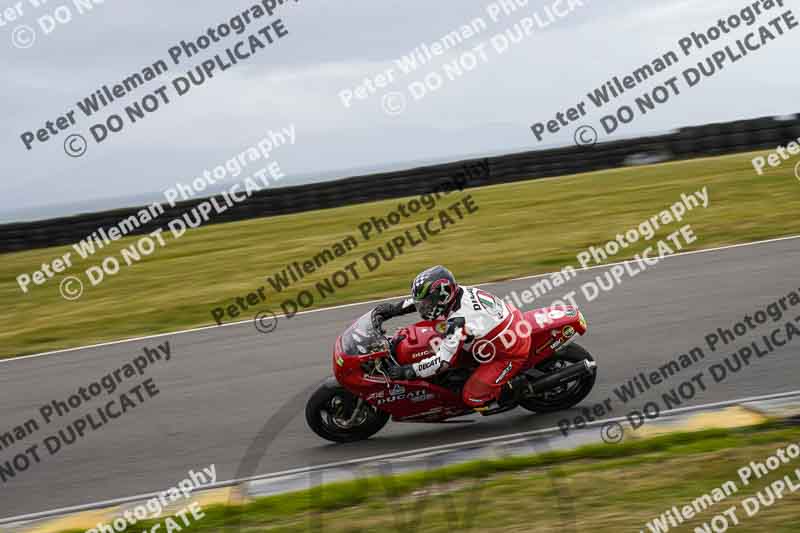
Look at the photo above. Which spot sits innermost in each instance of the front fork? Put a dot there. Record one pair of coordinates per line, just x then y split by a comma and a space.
356, 412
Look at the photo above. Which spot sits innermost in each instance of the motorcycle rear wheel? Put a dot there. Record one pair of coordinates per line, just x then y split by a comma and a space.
331, 408
567, 395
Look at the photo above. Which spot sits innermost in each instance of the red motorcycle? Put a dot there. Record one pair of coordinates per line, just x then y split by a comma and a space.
360, 399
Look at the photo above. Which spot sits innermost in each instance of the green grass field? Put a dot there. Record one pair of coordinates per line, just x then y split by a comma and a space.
520, 228
601, 488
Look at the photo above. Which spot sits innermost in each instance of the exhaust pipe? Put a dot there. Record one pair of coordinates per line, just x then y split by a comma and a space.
571, 373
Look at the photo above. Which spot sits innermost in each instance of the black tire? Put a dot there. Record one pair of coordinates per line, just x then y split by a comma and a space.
569, 394
332, 396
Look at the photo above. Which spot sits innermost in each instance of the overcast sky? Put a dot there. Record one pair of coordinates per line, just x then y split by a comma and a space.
333, 46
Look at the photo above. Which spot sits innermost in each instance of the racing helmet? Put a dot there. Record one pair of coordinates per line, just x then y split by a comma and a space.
434, 292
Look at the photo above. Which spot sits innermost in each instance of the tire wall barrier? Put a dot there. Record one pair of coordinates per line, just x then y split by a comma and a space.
686, 143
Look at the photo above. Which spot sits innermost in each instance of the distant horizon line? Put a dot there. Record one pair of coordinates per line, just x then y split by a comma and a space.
108, 203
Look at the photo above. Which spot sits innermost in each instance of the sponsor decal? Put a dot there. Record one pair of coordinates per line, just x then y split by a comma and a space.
556, 314
475, 305
419, 395
486, 300
571, 311
479, 399
397, 389
375, 395
430, 364
441, 327
423, 353
416, 398
504, 373
582, 320
339, 360
490, 303
559, 342
568, 331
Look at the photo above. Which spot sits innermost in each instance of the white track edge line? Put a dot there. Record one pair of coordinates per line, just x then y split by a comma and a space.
375, 458
342, 306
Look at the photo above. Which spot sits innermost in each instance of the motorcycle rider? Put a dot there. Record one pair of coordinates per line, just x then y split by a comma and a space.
475, 321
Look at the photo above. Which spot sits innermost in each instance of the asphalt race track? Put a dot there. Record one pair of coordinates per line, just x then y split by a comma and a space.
223, 384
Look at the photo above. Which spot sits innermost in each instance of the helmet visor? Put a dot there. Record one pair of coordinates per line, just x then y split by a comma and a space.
427, 307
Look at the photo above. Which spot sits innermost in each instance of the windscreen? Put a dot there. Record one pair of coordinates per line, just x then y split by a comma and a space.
363, 337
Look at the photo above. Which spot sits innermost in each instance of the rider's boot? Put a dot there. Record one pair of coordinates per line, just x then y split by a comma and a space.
512, 392
515, 390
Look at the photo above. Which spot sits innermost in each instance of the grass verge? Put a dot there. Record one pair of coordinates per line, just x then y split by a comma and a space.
602, 488
519, 228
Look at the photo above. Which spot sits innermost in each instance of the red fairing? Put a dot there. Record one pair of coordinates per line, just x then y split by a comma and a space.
553, 328
415, 400
512, 337
420, 401
417, 344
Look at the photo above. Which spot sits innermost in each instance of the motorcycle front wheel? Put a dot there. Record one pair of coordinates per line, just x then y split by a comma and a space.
337, 415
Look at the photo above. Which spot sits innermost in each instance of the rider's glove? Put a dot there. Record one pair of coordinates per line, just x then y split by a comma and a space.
402, 372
